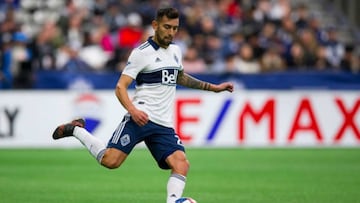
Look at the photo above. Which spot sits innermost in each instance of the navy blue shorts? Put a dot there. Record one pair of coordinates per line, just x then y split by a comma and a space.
160, 140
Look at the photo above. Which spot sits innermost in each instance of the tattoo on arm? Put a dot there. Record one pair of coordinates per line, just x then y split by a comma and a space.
186, 80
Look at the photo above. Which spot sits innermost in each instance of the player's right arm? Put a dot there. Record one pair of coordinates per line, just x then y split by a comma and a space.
121, 91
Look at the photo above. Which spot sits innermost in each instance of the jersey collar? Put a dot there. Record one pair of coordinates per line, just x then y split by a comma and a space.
153, 43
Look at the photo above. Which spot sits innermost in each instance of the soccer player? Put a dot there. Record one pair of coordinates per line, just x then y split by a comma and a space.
156, 66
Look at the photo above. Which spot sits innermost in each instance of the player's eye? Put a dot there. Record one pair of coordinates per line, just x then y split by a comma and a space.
167, 27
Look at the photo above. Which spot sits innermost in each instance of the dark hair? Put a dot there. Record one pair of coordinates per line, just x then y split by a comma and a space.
170, 13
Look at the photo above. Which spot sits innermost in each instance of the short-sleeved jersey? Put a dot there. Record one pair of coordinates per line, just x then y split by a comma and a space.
155, 70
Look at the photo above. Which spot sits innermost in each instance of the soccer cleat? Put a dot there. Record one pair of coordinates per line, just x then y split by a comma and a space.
66, 130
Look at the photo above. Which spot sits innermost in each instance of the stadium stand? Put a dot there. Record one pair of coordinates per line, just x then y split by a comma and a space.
230, 36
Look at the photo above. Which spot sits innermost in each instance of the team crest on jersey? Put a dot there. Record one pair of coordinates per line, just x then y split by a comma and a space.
176, 58
125, 140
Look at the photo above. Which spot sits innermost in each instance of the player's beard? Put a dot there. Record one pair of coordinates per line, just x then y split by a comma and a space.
163, 41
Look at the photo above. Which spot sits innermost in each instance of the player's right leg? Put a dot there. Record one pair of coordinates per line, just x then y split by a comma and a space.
113, 158
109, 157
67, 129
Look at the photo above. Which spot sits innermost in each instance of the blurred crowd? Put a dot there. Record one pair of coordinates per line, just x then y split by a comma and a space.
232, 36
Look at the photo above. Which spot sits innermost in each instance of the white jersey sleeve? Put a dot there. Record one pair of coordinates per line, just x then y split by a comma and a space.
134, 64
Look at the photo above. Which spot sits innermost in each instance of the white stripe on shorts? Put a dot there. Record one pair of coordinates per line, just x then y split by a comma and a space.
119, 130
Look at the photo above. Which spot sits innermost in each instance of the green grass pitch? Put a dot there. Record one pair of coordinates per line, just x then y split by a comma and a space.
235, 175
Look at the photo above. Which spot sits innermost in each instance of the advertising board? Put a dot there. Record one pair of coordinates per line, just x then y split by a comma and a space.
202, 119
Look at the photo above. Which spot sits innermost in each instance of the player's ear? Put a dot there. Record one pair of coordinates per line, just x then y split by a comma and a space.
154, 24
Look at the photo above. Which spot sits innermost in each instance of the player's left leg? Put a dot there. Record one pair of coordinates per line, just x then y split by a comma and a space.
168, 151
179, 165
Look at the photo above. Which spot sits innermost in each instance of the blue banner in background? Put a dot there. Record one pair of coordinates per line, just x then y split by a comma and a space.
277, 81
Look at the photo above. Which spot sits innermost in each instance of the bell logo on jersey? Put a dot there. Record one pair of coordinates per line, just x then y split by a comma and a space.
169, 77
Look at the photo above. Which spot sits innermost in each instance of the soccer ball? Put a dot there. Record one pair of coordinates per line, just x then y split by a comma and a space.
185, 200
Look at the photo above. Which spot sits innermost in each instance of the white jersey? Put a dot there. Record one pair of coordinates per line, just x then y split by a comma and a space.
155, 70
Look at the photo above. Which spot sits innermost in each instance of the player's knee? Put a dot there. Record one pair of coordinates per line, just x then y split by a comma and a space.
181, 166
110, 164
185, 164
184, 168
113, 158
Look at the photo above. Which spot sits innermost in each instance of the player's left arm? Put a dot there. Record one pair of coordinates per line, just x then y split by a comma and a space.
187, 80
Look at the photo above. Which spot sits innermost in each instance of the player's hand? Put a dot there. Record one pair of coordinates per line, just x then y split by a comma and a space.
140, 117
225, 86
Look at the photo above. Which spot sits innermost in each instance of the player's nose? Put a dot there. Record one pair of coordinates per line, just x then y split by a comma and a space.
172, 32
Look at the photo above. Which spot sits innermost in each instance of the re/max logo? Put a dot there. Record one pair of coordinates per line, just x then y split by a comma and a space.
266, 113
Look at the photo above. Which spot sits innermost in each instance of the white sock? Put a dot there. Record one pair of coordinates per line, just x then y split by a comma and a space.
94, 145
175, 187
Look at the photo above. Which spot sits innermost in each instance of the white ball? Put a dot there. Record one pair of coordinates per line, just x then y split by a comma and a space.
185, 200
